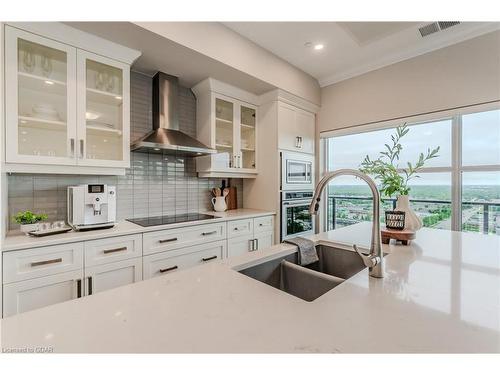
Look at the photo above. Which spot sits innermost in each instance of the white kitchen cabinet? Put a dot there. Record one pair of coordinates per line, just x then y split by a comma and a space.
264, 240
112, 275
32, 294
67, 110
228, 122
103, 110
240, 245
249, 235
170, 261
113, 249
40, 108
296, 129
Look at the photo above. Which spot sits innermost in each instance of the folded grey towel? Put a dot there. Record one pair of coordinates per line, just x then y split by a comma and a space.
307, 251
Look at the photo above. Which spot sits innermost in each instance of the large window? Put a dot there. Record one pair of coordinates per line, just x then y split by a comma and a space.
459, 190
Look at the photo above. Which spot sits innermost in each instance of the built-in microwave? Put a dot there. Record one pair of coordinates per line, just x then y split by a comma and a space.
297, 171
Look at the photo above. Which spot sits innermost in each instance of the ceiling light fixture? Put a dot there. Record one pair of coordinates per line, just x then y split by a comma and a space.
318, 47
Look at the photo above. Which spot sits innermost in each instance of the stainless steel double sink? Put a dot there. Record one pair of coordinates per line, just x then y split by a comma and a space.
335, 265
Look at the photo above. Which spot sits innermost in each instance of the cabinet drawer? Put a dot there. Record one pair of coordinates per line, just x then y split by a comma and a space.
237, 228
171, 261
170, 239
112, 249
263, 224
42, 261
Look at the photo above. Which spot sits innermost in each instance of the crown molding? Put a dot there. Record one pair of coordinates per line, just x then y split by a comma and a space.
406, 55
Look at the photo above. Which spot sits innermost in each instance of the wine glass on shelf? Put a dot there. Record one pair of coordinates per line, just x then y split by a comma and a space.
46, 63
110, 83
28, 61
99, 81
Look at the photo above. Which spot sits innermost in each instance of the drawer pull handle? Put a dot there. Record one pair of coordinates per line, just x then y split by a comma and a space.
79, 288
209, 258
168, 269
236, 228
168, 240
91, 285
261, 225
208, 233
115, 250
44, 262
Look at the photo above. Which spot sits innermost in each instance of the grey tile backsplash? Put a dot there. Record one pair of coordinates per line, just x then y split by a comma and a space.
153, 185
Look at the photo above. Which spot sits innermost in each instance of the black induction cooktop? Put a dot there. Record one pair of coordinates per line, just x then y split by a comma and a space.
170, 219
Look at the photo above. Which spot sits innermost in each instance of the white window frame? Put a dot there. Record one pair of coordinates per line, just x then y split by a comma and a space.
456, 169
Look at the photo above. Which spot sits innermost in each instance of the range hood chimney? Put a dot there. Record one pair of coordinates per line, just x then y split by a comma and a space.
166, 136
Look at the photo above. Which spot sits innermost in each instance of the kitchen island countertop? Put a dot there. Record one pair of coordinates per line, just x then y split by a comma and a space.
440, 294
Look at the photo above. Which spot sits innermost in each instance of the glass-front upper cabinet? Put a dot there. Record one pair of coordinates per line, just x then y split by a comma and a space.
103, 111
40, 105
247, 136
226, 120
224, 129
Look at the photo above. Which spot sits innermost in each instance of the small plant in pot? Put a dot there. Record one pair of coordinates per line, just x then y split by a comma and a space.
394, 179
28, 220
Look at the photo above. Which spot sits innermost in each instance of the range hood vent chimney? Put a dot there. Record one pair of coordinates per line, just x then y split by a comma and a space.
166, 136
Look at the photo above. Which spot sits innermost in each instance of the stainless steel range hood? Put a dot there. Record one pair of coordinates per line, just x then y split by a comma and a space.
166, 136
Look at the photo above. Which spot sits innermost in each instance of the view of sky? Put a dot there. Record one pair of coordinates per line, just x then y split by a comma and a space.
480, 146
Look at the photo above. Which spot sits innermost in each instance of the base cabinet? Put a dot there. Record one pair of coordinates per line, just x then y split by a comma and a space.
264, 240
112, 275
174, 260
240, 245
33, 294
249, 235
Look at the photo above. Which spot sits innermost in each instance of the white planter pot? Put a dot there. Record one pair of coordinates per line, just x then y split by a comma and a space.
25, 228
412, 221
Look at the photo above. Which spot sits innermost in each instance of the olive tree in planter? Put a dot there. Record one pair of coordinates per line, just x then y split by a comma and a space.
28, 220
394, 179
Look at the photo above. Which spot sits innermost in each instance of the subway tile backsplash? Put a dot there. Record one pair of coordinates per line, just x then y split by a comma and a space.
153, 185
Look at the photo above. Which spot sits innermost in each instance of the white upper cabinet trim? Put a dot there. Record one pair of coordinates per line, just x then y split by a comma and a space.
83, 158
70, 95
12, 35
80, 39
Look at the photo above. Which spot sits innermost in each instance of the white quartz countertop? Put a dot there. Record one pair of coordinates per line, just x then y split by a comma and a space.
17, 240
440, 294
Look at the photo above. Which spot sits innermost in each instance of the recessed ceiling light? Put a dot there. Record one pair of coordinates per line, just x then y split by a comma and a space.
308, 44
318, 47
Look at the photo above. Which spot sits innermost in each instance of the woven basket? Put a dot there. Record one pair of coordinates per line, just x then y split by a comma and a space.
395, 220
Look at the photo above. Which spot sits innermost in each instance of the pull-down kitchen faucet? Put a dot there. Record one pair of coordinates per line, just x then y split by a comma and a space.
374, 260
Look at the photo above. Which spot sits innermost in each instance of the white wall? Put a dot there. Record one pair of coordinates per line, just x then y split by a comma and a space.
464, 74
3, 177
223, 44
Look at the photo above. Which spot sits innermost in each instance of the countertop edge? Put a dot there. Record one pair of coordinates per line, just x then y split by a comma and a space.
122, 228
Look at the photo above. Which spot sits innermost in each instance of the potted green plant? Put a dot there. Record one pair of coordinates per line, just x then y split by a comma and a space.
28, 220
393, 179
